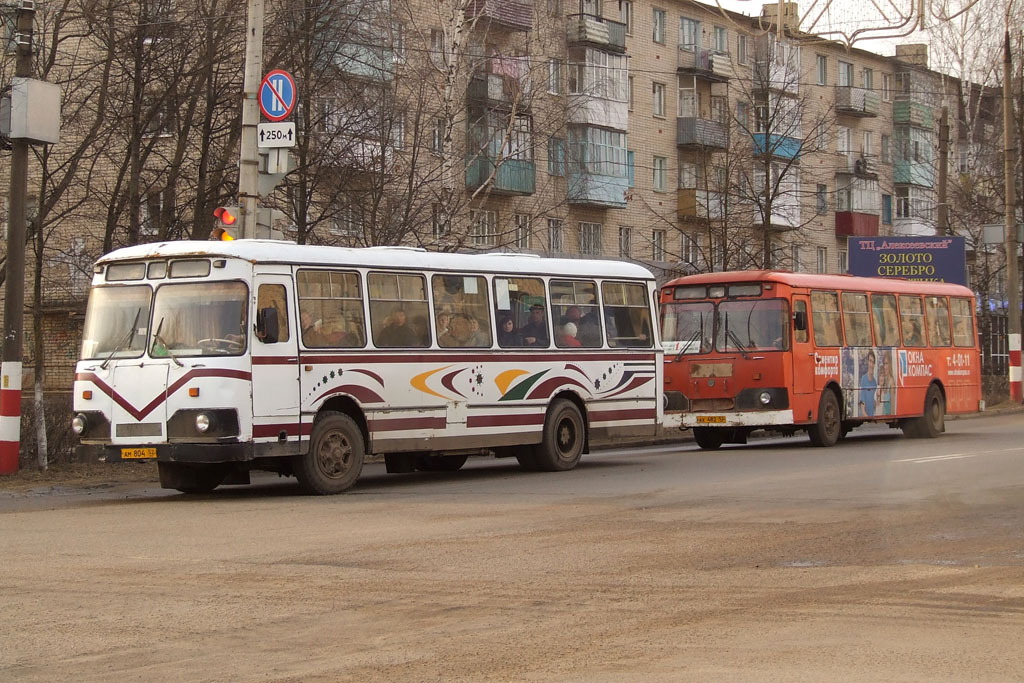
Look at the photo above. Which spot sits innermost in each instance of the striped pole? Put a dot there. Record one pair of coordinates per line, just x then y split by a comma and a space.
1015, 371
10, 415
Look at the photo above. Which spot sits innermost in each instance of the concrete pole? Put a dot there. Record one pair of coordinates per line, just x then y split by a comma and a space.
943, 172
1012, 274
14, 301
248, 169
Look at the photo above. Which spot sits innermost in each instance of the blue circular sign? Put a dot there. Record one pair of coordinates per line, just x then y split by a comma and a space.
277, 95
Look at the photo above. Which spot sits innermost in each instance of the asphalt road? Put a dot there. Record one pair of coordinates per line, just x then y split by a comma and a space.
880, 559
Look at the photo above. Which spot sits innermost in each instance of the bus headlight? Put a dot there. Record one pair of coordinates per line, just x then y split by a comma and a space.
203, 423
765, 398
79, 424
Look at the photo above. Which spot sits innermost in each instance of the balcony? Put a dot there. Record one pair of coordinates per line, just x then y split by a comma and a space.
698, 204
514, 15
859, 102
912, 113
591, 29
779, 146
704, 64
856, 224
589, 110
860, 165
511, 177
785, 214
913, 173
694, 132
369, 62
601, 191
502, 84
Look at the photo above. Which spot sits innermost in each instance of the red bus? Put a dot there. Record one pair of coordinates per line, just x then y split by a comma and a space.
822, 353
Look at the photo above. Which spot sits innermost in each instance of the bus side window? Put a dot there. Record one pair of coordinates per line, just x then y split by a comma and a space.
627, 314
828, 330
937, 313
330, 309
463, 300
856, 320
272, 314
398, 310
575, 313
883, 315
519, 306
800, 335
963, 322
912, 320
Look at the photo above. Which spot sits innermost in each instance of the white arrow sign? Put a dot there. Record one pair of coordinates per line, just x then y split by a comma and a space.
276, 134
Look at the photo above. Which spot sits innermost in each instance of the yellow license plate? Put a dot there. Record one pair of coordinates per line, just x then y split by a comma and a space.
137, 453
710, 419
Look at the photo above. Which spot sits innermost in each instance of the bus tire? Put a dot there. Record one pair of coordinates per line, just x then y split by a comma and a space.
335, 456
440, 463
708, 438
565, 435
826, 431
933, 422
190, 479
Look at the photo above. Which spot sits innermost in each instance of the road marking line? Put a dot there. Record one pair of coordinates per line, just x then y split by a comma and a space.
955, 456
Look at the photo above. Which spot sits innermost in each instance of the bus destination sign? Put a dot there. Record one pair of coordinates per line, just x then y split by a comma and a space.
932, 259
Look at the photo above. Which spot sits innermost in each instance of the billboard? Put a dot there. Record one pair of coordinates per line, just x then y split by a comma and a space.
935, 259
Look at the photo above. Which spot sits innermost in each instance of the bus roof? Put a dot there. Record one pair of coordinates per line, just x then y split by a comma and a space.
823, 281
274, 251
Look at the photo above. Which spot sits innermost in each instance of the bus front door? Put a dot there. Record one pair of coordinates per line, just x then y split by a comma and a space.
275, 359
803, 349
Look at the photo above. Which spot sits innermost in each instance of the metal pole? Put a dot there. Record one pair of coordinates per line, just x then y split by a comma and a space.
1012, 275
14, 302
248, 169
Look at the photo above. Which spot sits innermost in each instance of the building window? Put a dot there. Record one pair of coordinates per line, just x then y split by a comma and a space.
398, 42
555, 235
867, 77
741, 49
688, 102
963, 164
555, 76
556, 156
438, 221
658, 245
794, 257
659, 26
687, 175
743, 115
902, 202
522, 223
867, 146
590, 239
630, 85
843, 197
626, 15
844, 261
845, 74
821, 197
483, 227
437, 136
437, 45
886, 152
844, 141
822, 260
660, 174
887, 87
822, 63
688, 249
887, 209
719, 108
631, 167
625, 242
658, 99
721, 40
821, 136
689, 34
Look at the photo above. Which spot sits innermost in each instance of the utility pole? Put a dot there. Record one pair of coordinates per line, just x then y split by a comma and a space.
943, 171
248, 169
1010, 224
14, 302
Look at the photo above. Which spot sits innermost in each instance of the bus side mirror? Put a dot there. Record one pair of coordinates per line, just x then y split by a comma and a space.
267, 330
800, 321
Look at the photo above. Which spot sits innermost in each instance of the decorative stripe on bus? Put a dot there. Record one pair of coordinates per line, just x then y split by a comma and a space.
489, 355
622, 415
139, 414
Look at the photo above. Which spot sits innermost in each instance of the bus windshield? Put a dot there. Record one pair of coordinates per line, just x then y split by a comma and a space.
199, 319
687, 328
752, 325
116, 321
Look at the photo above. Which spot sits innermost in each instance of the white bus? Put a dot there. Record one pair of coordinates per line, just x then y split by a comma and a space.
217, 358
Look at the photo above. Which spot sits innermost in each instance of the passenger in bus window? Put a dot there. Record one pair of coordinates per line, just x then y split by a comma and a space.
312, 330
477, 336
535, 331
444, 319
567, 336
507, 334
397, 332
459, 334
419, 328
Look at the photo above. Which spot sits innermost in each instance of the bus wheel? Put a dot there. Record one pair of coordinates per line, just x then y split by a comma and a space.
829, 425
440, 463
708, 438
933, 422
190, 478
564, 437
335, 456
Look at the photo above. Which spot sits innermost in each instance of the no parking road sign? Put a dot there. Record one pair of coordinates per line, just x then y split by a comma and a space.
277, 95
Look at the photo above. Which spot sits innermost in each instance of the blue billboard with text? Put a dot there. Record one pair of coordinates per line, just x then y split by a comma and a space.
935, 259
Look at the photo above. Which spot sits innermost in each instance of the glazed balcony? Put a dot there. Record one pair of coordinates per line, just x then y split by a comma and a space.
513, 15
908, 112
694, 132
600, 191
860, 102
590, 29
856, 224
698, 204
779, 146
704, 64
509, 177
503, 83
913, 173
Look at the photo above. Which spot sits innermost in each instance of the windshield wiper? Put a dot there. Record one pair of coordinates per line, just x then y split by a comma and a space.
124, 340
682, 349
736, 340
163, 342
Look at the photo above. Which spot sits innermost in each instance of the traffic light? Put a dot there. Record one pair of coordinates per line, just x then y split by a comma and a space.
225, 218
